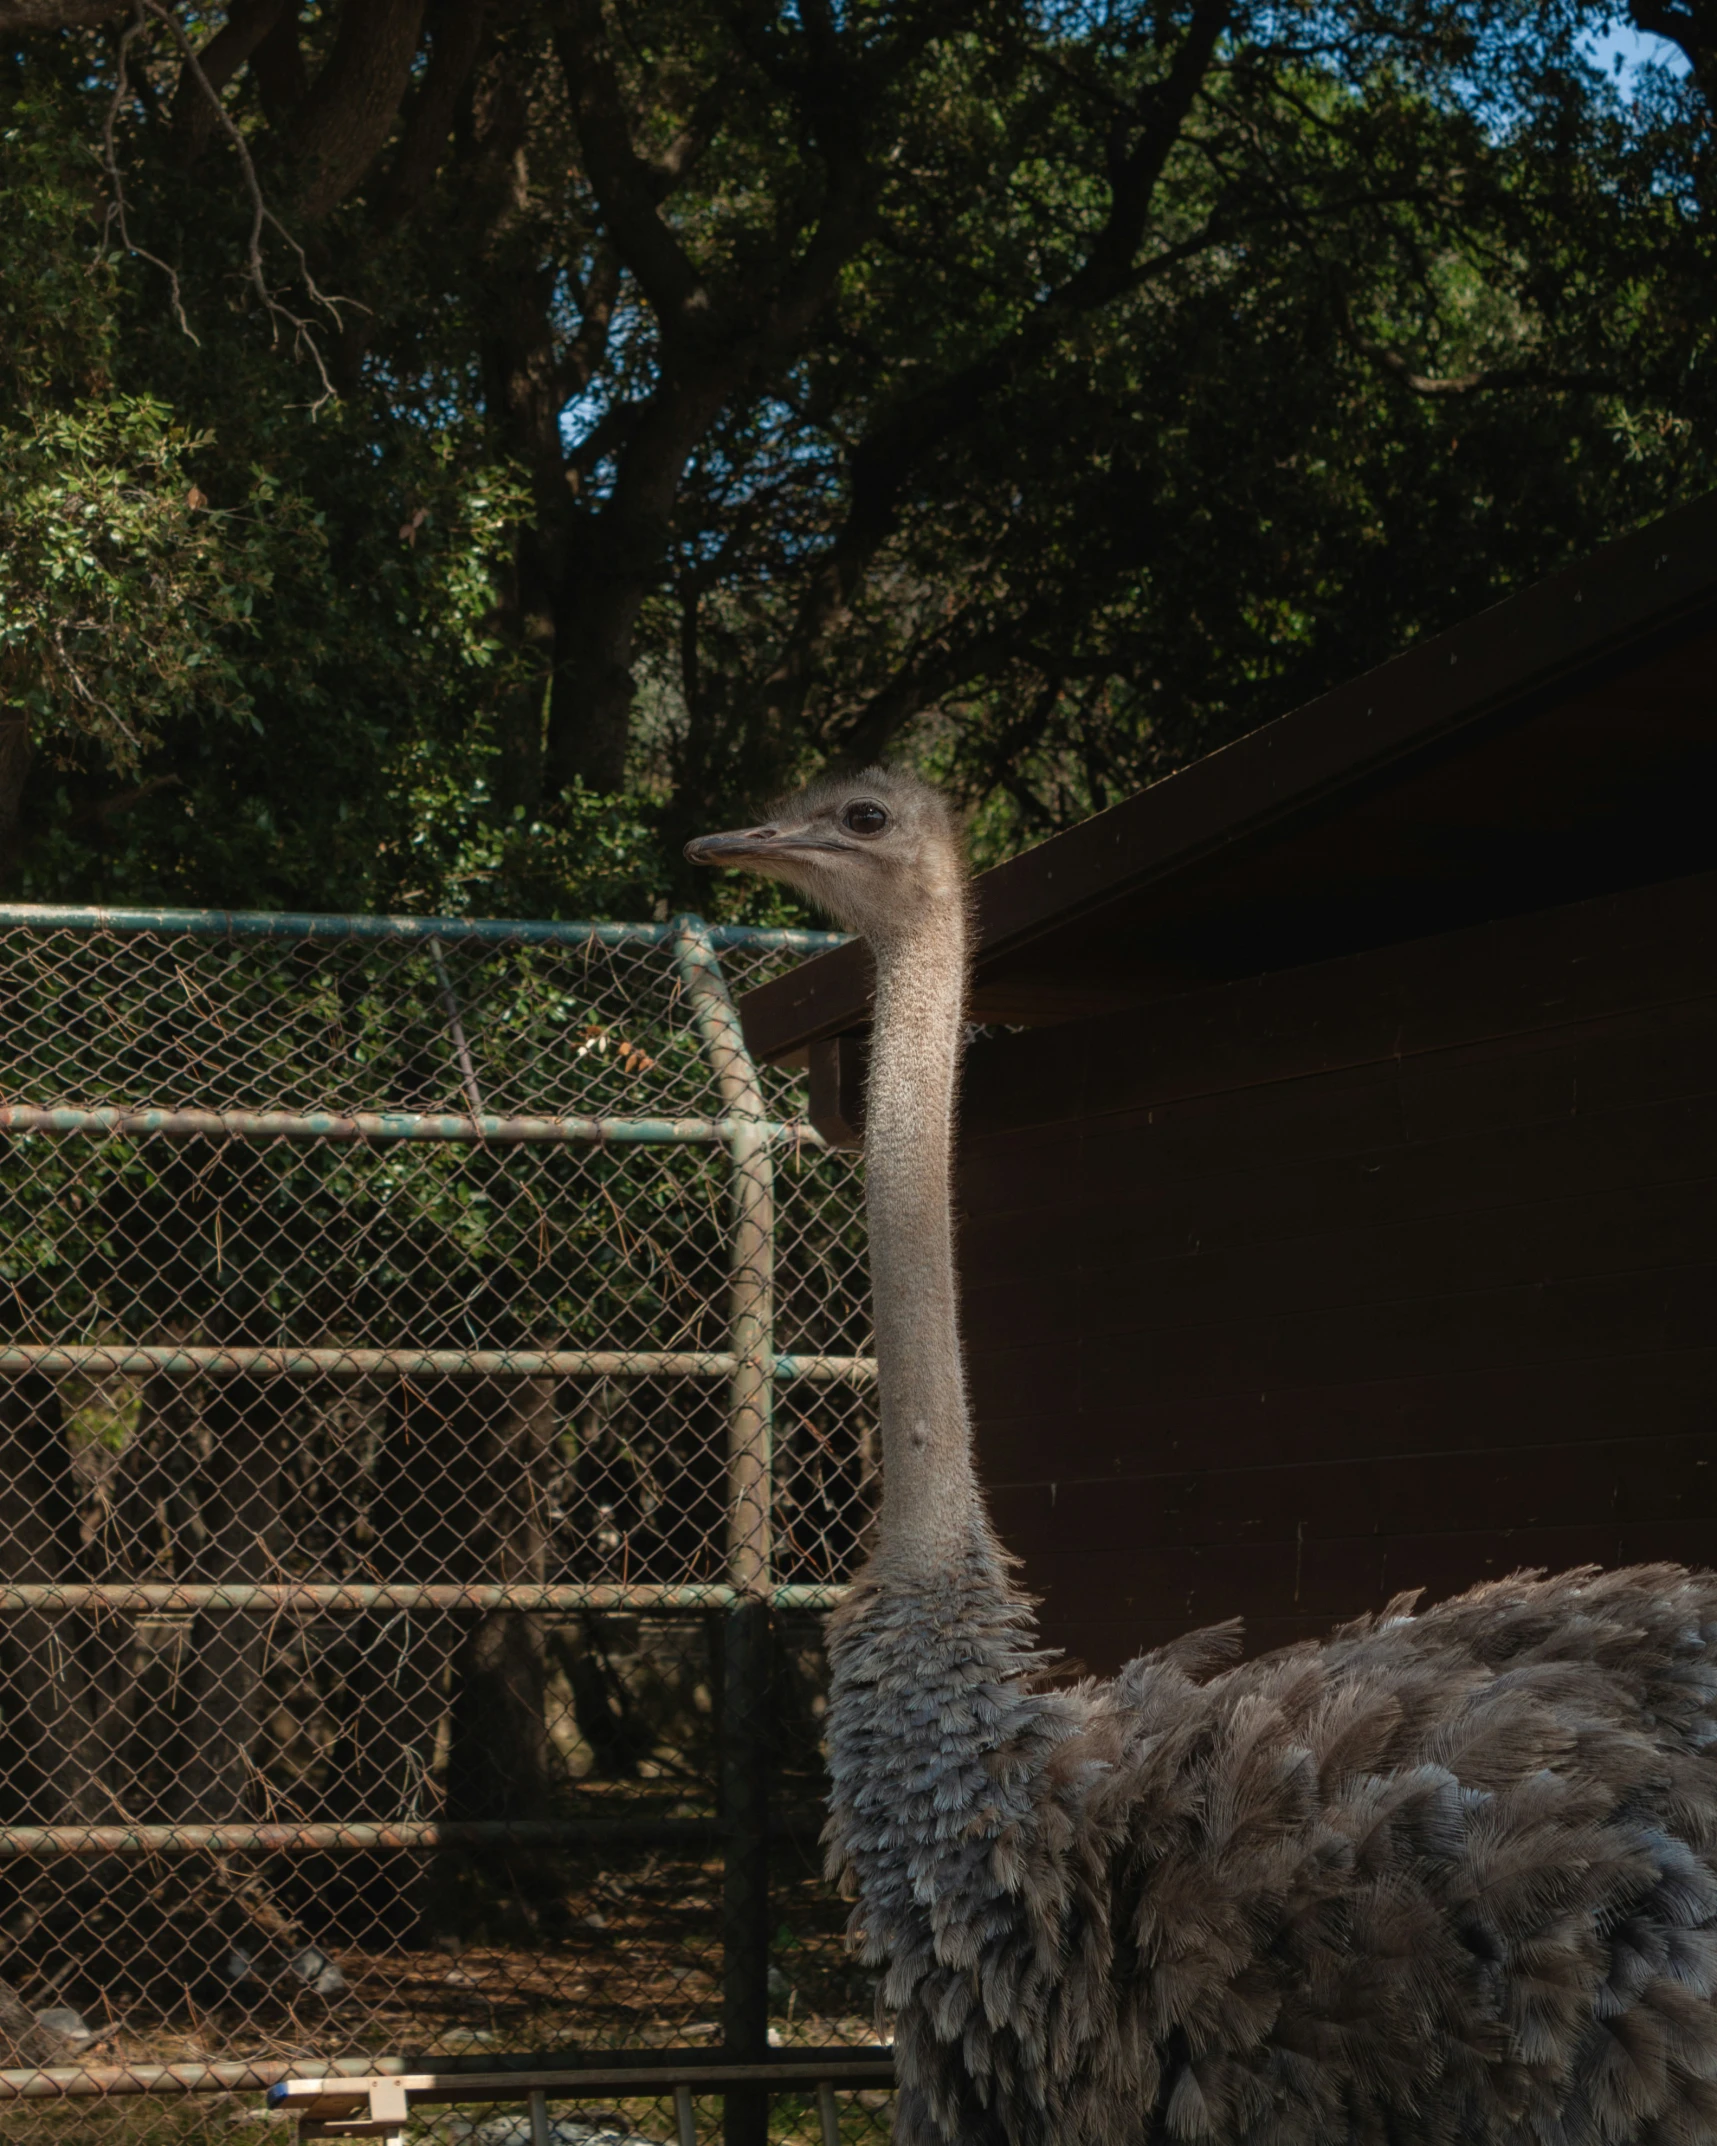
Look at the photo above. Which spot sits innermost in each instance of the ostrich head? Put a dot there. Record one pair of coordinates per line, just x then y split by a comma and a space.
880, 851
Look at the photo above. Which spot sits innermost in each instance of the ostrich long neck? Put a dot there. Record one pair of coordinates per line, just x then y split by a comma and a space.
929, 1501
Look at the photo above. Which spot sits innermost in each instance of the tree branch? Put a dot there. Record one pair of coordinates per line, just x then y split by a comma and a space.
345, 120
248, 23
941, 669
262, 216
22, 17
585, 352
883, 462
683, 154
1134, 171
456, 36
626, 188
1486, 380
117, 216
785, 312
1681, 25
278, 68
1019, 736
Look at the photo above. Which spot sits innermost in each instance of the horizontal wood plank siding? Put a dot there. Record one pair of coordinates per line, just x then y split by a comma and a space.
1396, 1271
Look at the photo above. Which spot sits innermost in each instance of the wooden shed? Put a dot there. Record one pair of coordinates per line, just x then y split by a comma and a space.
1338, 1179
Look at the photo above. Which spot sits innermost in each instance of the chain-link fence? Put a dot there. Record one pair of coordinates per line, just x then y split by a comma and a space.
434, 1411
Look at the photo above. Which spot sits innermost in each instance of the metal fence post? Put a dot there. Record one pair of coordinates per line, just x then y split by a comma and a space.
746, 1627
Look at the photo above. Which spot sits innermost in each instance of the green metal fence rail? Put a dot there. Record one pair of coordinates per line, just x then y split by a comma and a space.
220, 1265
307, 927
105, 1357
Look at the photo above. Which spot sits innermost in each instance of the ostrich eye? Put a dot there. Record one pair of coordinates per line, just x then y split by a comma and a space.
866, 817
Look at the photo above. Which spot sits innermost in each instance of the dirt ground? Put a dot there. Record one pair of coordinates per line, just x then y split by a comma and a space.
635, 1964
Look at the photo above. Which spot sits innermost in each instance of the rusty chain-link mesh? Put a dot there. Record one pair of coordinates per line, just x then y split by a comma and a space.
420, 1349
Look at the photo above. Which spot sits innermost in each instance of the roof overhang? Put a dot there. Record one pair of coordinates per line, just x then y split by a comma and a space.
1561, 743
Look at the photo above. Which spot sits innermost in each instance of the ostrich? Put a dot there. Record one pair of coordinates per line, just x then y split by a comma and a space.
1443, 1877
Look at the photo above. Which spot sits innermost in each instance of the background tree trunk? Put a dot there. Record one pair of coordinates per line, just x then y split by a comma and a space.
59, 1678
220, 1681
498, 1751
421, 1514
14, 773
498, 1756
53, 1763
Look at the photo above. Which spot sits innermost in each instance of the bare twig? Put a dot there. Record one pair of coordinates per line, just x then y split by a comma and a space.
262, 217
115, 217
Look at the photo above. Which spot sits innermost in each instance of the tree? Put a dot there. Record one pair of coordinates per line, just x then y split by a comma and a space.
1048, 391
183, 605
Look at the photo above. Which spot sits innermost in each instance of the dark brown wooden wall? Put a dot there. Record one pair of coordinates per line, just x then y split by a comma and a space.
1395, 1271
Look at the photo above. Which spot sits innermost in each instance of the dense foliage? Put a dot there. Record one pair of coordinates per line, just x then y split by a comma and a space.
449, 450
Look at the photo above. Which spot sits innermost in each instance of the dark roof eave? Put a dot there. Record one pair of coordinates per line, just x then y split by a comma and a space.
1550, 632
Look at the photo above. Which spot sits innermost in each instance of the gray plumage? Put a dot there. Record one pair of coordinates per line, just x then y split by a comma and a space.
1445, 1879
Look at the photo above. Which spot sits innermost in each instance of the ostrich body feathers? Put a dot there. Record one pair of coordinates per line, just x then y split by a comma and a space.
1443, 1878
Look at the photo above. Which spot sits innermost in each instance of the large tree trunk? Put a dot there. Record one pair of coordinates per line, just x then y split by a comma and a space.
498, 1754
59, 1690
421, 1516
590, 710
461, 1494
234, 1523
14, 773
498, 1758
234, 1428
607, 577
220, 1677
53, 1763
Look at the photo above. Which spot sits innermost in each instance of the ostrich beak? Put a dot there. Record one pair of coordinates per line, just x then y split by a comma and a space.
756, 845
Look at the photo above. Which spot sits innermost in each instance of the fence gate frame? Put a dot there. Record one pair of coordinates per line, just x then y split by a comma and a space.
746, 1599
